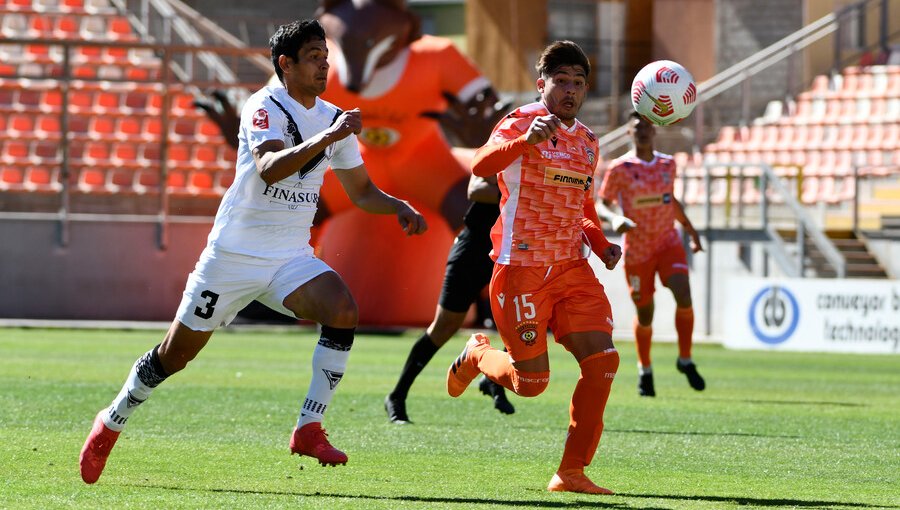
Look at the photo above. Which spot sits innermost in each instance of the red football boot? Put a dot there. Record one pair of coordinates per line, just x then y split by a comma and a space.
96, 450
312, 440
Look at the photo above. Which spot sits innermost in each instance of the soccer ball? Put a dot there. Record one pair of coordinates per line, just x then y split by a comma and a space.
663, 92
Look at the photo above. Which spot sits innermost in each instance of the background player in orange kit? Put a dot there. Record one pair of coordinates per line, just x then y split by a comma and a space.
544, 159
642, 182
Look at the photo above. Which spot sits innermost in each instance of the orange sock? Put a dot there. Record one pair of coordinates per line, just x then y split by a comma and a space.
586, 409
684, 325
642, 337
495, 364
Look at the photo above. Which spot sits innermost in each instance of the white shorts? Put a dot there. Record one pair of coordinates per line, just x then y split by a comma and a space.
222, 284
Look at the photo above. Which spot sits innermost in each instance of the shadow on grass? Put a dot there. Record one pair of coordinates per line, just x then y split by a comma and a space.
514, 503
518, 503
695, 433
823, 403
763, 502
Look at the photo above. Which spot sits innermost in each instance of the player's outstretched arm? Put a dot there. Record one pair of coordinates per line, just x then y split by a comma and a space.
274, 162
368, 197
682, 218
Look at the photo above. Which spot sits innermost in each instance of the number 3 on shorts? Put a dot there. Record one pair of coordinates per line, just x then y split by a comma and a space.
207, 312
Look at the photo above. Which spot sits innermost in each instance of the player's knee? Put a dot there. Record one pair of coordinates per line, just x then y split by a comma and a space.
343, 313
528, 384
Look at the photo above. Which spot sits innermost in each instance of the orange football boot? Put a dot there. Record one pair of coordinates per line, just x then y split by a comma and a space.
574, 480
464, 369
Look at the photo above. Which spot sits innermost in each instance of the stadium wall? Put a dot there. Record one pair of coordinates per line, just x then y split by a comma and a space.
109, 271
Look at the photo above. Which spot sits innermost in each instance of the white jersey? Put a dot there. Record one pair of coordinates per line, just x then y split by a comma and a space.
273, 221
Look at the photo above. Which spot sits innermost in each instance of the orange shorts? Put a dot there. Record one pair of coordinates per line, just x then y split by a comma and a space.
641, 276
567, 298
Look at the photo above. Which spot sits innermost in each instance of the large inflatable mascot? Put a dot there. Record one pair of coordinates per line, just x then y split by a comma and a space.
415, 91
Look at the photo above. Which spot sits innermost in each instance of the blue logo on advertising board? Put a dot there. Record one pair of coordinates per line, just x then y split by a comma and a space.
774, 315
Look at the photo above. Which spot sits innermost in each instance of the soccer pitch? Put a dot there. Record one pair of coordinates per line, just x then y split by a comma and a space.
772, 430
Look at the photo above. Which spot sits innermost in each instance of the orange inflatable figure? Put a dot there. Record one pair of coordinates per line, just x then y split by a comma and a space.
408, 86
399, 78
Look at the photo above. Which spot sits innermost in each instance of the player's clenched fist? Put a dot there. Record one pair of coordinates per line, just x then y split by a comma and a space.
347, 123
541, 129
611, 255
412, 222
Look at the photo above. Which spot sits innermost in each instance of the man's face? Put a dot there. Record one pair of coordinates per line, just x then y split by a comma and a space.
309, 72
563, 92
641, 132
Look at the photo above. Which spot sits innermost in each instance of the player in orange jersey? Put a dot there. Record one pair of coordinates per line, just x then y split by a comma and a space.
544, 159
642, 182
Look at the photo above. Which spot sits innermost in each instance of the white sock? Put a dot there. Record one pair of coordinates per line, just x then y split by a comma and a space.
642, 370
684, 361
328, 368
145, 375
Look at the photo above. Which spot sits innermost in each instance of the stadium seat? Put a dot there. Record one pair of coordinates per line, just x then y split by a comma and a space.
177, 181
66, 27
125, 153
102, 126
147, 181
92, 180
204, 154
20, 124
121, 180
201, 182
119, 29
42, 178
45, 151
131, 127
11, 178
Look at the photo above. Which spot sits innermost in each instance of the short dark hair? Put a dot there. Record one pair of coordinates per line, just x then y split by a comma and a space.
289, 38
562, 53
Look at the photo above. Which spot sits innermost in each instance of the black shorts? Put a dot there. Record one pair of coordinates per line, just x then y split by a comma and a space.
469, 268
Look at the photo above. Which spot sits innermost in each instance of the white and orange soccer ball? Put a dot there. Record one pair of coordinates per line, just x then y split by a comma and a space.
664, 92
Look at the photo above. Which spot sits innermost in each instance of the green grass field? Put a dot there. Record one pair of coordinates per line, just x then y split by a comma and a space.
772, 430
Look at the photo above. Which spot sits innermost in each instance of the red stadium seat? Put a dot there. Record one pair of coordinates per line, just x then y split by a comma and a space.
42, 178
92, 180
131, 126
206, 154
21, 124
11, 178
147, 181
48, 124
121, 180
201, 182
119, 29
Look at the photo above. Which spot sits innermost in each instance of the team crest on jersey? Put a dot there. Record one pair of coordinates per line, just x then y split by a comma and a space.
666, 178
590, 155
527, 332
261, 119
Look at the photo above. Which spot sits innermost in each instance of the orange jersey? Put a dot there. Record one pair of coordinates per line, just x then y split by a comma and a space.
544, 191
645, 192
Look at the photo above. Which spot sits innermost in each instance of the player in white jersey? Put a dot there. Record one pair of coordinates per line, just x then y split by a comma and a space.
259, 245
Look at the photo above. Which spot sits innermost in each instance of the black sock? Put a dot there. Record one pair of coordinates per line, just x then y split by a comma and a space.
419, 356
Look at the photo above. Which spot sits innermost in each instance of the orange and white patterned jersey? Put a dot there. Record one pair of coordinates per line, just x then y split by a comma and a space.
543, 193
645, 192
